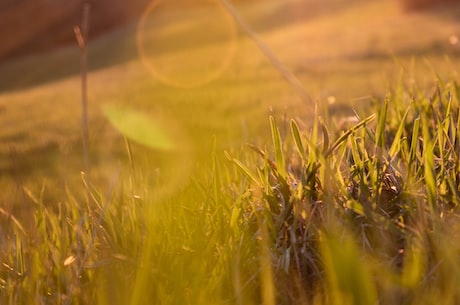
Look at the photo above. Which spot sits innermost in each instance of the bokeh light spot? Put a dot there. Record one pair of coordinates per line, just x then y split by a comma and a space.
138, 127
186, 43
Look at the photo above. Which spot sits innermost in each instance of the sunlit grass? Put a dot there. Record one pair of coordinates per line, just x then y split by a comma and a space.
359, 219
316, 211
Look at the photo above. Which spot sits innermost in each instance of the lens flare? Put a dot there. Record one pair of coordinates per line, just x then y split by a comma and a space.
165, 140
186, 43
139, 127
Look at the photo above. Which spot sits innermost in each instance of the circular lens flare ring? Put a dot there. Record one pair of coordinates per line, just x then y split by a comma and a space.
187, 52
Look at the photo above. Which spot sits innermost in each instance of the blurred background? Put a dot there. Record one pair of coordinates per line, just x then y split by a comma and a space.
29, 26
197, 72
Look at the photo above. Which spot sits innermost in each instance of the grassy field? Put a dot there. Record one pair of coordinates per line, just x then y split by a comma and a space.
180, 210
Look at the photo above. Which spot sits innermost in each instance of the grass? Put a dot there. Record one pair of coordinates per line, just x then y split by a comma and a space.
319, 209
362, 216
379, 197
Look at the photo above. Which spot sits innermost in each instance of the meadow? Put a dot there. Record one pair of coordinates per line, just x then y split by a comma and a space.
227, 186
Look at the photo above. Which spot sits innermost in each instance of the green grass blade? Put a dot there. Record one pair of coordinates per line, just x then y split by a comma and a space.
348, 275
413, 146
266, 270
380, 132
396, 145
414, 265
297, 139
428, 164
325, 137
279, 155
245, 170
344, 137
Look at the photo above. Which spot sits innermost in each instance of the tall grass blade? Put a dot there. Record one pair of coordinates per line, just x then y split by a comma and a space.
81, 35
396, 145
297, 139
413, 149
428, 164
325, 137
266, 272
344, 137
380, 132
279, 154
414, 265
245, 170
348, 275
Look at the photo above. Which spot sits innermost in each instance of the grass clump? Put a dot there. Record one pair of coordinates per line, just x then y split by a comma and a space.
367, 218
65, 252
365, 215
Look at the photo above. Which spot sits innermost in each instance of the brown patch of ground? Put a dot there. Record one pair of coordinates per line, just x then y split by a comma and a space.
29, 26
411, 5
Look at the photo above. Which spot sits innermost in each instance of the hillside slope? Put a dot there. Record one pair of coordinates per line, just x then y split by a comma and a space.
30, 26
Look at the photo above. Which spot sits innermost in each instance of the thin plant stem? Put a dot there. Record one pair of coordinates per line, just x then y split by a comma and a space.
81, 34
274, 60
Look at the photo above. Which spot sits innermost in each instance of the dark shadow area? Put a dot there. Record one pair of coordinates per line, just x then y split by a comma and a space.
118, 44
31, 26
40, 68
